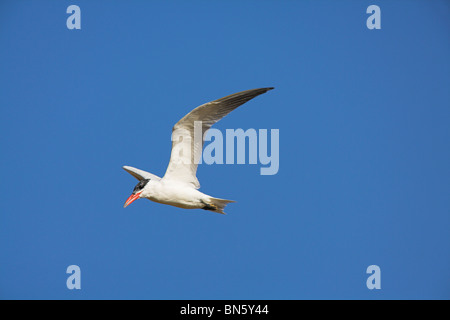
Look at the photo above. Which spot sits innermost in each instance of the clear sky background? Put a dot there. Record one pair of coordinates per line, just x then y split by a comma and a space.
364, 173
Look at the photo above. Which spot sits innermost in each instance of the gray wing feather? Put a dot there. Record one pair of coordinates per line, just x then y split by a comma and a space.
140, 174
182, 168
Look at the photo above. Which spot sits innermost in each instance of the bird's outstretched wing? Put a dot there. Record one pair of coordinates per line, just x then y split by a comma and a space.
185, 151
140, 174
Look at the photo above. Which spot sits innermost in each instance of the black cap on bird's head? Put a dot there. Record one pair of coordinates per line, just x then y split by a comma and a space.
136, 192
141, 184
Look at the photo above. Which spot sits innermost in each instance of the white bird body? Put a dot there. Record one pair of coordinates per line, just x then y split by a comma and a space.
179, 185
174, 193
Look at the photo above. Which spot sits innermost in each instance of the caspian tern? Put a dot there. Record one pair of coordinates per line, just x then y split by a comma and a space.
179, 185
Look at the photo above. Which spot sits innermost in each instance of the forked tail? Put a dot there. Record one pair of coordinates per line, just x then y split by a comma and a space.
216, 204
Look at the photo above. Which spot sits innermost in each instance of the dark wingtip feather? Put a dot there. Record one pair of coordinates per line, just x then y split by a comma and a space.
263, 90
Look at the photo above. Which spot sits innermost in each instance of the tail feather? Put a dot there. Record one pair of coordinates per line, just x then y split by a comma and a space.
216, 204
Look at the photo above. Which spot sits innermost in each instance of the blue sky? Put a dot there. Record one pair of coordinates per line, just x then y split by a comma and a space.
364, 173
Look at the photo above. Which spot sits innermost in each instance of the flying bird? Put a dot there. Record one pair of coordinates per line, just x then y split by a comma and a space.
179, 185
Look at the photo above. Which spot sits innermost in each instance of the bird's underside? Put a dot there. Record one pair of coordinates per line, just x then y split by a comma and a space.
178, 187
